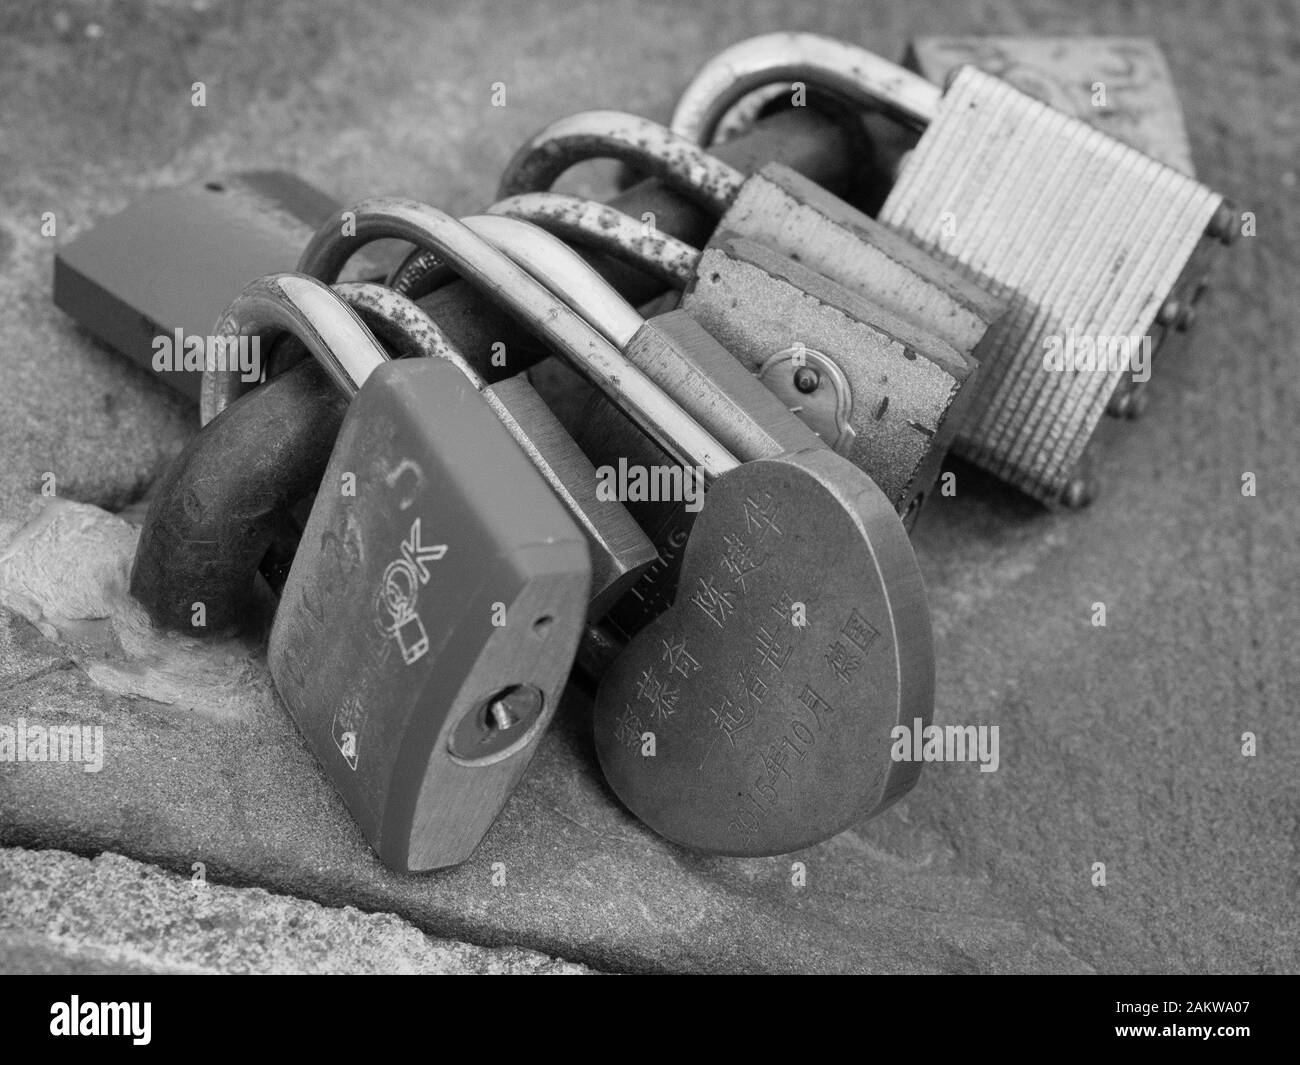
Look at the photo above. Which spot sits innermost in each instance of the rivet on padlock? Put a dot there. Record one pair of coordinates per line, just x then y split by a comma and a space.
1086, 237
798, 640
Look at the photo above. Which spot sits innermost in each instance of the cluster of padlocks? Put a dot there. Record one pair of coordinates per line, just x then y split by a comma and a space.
717, 535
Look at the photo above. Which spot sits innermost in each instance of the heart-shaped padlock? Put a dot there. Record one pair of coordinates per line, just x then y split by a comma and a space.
754, 716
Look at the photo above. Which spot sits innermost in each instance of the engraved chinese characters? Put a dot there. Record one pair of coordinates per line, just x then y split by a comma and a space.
753, 717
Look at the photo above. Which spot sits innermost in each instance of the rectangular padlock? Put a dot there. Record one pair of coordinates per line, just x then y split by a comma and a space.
798, 218
174, 259
1092, 243
452, 551
878, 389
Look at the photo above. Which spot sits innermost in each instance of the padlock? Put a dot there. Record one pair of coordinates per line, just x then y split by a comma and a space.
435, 603
1121, 85
515, 290
880, 377
755, 715
619, 550
774, 206
426, 629
223, 501
683, 360
797, 329
1090, 241
591, 351
849, 369
167, 264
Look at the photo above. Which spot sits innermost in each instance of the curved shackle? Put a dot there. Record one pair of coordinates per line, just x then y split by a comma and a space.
680, 163
578, 221
559, 268
312, 312
403, 325
212, 521
399, 323
845, 70
521, 295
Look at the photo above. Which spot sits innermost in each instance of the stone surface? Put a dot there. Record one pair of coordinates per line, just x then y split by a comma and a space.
60, 913
1119, 745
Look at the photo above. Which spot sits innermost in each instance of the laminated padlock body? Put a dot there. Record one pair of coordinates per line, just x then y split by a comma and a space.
1089, 241
427, 627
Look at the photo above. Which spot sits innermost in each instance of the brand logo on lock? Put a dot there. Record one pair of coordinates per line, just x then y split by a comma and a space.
399, 591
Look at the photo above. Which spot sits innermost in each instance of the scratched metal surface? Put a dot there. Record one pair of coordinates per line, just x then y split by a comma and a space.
1118, 744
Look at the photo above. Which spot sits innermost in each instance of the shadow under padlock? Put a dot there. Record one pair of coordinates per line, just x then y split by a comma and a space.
1083, 235
425, 632
799, 636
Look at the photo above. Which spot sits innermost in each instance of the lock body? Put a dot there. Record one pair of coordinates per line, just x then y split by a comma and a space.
620, 551
430, 620
174, 259
755, 717
710, 386
875, 388
790, 214
1094, 246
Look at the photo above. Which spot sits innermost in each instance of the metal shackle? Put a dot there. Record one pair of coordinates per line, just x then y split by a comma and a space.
389, 316
403, 325
584, 223
211, 522
843, 70
298, 304
518, 293
709, 387
650, 146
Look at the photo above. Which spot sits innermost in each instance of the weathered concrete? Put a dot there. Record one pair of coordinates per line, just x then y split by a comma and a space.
62, 913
